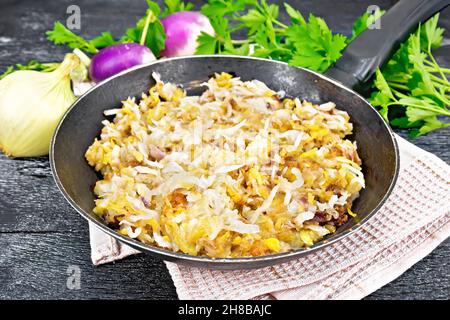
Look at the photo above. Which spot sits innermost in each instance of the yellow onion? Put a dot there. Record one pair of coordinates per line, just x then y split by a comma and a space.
31, 105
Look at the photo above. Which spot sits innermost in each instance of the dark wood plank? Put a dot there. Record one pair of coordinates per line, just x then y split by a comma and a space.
41, 235
428, 279
29, 199
35, 266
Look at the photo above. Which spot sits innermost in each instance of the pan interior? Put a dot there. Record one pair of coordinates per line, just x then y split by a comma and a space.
82, 124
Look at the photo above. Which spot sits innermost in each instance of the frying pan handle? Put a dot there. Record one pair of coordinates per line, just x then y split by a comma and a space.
373, 47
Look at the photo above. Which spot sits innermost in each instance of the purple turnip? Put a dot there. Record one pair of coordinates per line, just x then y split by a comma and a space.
116, 58
182, 29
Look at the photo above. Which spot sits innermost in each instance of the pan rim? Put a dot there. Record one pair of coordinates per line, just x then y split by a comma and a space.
242, 262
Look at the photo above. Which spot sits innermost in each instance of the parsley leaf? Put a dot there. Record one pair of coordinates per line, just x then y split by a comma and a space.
253, 20
31, 65
173, 6
61, 35
262, 16
316, 47
224, 16
222, 8
429, 124
148, 30
296, 16
219, 43
156, 38
207, 44
242, 50
383, 97
105, 39
412, 90
431, 35
364, 21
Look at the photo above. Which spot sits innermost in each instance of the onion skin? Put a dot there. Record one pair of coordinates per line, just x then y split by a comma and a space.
31, 106
116, 58
182, 29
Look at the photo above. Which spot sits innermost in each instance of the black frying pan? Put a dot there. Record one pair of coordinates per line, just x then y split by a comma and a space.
376, 143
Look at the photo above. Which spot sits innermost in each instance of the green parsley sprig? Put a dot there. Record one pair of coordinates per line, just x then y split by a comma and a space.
31, 65
148, 29
61, 35
304, 42
172, 6
412, 90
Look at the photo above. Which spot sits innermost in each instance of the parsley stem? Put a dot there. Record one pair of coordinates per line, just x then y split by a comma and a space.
436, 110
51, 66
434, 67
434, 70
398, 86
429, 63
280, 24
281, 49
401, 86
277, 30
433, 60
237, 28
443, 98
439, 80
401, 95
270, 32
240, 41
144, 32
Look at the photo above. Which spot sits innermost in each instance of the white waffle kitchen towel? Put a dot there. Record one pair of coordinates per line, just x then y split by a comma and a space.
413, 222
